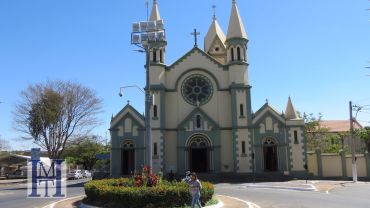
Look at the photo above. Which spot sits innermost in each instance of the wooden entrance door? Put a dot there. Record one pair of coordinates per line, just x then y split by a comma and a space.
270, 158
128, 161
199, 159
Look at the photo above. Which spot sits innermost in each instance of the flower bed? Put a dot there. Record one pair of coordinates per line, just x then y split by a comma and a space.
124, 192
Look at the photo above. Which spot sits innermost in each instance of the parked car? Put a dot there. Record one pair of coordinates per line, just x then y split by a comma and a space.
17, 174
74, 174
86, 174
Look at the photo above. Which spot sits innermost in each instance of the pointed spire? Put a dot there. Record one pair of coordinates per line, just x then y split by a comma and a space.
213, 32
154, 15
236, 26
290, 112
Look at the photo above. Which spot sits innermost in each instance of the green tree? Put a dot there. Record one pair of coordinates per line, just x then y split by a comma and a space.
83, 151
54, 112
313, 130
364, 134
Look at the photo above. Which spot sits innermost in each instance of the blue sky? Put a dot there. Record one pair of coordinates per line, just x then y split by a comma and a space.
312, 50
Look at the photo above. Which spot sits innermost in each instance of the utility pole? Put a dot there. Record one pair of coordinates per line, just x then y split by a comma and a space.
354, 168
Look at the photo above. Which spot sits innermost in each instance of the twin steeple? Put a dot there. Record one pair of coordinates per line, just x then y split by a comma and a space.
228, 49
236, 26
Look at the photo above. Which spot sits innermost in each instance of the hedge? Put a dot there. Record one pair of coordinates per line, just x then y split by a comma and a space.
114, 193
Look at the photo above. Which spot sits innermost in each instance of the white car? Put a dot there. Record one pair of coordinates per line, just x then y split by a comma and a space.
74, 174
86, 174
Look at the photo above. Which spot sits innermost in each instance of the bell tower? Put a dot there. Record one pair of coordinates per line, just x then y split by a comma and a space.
158, 51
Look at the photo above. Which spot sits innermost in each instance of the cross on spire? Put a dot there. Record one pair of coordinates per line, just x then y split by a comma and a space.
195, 33
214, 11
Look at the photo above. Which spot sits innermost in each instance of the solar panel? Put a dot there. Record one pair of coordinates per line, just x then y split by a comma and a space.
161, 36
160, 25
136, 27
152, 36
136, 39
151, 26
143, 26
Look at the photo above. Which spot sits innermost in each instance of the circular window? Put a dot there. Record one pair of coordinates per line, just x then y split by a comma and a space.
197, 89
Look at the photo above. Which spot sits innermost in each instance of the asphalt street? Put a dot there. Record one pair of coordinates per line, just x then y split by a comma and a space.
15, 195
265, 195
347, 195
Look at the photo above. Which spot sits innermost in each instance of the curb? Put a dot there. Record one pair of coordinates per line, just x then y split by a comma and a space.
250, 204
52, 205
12, 182
283, 187
218, 205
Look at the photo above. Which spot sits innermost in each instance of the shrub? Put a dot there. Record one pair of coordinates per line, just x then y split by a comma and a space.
123, 193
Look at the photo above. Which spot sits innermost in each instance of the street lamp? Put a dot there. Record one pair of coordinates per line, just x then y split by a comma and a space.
130, 86
145, 35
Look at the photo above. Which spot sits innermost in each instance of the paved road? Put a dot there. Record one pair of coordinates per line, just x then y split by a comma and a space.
15, 195
346, 196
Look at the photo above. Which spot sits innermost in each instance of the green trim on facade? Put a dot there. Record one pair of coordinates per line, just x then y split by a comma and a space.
236, 41
197, 111
210, 58
234, 123
192, 70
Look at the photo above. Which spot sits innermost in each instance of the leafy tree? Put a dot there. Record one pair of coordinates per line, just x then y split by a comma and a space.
314, 132
320, 137
56, 111
364, 134
83, 151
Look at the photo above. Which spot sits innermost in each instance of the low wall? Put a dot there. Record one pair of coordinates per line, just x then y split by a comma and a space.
337, 165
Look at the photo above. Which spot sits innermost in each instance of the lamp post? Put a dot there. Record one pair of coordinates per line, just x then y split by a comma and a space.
144, 35
129, 86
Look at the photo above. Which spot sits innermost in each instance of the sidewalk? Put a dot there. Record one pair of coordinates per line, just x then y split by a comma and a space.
12, 181
224, 202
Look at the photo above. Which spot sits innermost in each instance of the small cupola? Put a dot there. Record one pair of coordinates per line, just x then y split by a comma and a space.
214, 42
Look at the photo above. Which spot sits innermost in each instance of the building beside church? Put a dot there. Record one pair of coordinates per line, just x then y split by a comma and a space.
201, 116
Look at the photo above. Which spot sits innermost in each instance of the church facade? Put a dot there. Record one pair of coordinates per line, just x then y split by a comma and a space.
202, 118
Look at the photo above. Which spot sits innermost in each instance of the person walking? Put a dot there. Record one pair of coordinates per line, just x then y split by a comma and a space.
194, 187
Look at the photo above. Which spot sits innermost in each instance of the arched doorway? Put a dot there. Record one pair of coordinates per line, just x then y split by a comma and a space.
127, 157
199, 157
270, 155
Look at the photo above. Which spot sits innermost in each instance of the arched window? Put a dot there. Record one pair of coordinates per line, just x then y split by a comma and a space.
243, 147
198, 121
238, 53
160, 56
155, 111
241, 110
295, 137
232, 54
154, 56
155, 148
128, 144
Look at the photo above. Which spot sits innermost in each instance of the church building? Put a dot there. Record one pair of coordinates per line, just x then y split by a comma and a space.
202, 118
